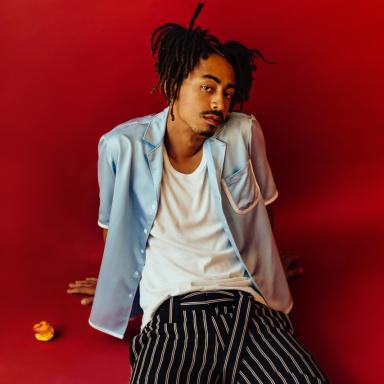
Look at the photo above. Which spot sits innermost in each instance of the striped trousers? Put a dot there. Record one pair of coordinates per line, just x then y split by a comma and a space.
222, 336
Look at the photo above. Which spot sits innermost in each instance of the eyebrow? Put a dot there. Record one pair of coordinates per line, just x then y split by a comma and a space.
218, 81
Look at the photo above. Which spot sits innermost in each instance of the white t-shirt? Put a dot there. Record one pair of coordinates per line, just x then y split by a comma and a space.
187, 248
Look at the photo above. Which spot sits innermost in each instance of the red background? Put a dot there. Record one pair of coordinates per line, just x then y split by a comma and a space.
71, 70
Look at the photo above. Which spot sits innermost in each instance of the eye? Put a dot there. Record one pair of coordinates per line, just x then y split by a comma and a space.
206, 88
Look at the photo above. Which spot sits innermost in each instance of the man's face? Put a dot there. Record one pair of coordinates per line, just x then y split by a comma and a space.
205, 96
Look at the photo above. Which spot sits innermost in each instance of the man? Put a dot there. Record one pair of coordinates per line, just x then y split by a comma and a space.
183, 197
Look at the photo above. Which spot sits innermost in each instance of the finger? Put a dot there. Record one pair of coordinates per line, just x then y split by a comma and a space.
91, 279
73, 290
86, 281
82, 290
293, 273
291, 265
77, 283
291, 257
82, 284
86, 300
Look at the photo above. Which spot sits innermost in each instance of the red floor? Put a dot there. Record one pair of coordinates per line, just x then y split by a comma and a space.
337, 313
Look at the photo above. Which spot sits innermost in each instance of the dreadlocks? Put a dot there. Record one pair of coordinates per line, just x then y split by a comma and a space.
242, 60
179, 50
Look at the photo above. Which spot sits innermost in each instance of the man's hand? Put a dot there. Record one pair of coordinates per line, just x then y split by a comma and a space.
84, 287
291, 265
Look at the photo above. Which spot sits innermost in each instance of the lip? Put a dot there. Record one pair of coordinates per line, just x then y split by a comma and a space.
213, 119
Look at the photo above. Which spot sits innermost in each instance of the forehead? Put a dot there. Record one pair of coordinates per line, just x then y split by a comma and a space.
214, 65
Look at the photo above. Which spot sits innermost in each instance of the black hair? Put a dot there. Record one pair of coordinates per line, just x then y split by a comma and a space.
179, 49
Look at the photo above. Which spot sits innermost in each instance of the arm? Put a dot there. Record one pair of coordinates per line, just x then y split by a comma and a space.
87, 286
290, 261
106, 170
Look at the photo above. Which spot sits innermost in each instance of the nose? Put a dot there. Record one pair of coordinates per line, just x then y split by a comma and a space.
217, 103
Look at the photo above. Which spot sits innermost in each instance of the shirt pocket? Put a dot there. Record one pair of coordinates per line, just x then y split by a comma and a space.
242, 189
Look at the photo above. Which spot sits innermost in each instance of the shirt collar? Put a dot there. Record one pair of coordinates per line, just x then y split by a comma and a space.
154, 134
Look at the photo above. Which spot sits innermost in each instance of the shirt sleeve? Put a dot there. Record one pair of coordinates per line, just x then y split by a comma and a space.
258, 155
106, 172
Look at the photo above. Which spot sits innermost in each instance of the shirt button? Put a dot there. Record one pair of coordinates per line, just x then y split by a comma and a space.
154, 206
145, 230
137, 273
130, 295
142, 250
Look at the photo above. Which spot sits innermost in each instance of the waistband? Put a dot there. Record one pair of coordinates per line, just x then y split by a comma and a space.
170, 309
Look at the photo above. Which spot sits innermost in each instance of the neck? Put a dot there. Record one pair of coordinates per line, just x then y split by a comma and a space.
180, 141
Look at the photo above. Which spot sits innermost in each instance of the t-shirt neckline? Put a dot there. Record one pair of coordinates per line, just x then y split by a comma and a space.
169, 167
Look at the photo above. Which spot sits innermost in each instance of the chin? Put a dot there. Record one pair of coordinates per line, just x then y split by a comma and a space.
208, 132
207, 135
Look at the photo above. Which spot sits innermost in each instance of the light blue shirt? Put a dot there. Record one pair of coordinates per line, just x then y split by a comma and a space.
130, 168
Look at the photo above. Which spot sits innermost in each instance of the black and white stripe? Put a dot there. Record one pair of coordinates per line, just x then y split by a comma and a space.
220, 337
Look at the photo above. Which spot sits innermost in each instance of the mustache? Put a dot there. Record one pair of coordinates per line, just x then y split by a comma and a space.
217, 113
